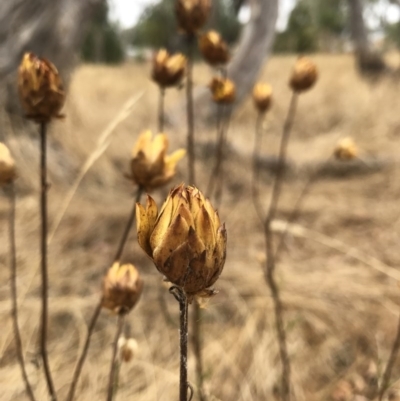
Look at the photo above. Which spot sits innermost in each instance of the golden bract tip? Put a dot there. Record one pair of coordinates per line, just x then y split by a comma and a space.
40, 88
151, 167
192, 14
346, 149
304, 75
127, 348
223, 90
168, 70
213, 48
8, 171
185, 239
262, 97
122, 287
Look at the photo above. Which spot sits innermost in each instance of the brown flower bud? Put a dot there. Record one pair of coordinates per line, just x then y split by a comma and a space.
168, 70
346, 149
127, 348
304, 75
262, 97
122, 287
150, 166
192, 14
186, 239
223, 90
213, 48
40, 88
7, 166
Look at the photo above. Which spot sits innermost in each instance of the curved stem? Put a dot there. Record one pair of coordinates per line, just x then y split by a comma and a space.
113, 369
14, 297
189, 110
255, 189
44, 269
128, 227
161, 110
82, 358
270, 253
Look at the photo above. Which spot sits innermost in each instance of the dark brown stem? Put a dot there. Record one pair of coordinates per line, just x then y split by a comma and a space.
128, 227
196, 341
270, 253
161, 110
44, 270
255, 189
389, 367
191, 40
14, 297
113, 369
180, 296
82, 358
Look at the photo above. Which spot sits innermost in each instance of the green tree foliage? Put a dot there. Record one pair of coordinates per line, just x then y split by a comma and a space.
157, 25
102, 43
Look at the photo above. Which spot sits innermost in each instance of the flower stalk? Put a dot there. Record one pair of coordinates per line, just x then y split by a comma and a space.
161, 113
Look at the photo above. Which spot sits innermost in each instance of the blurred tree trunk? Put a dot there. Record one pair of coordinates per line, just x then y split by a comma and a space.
253, 50
367, 60
52, 29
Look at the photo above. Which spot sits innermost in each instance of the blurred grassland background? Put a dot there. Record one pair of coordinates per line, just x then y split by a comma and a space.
338, 273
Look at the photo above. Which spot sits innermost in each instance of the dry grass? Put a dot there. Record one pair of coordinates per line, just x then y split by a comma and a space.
341, 311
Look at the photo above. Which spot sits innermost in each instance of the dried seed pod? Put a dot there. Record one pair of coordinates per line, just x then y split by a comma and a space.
213, 48
150, 166
168, 70
262, 97
346, 149
127, 348
40, 88
304, 75
122, 287
7, 166
186, 239
223, 90
192, 14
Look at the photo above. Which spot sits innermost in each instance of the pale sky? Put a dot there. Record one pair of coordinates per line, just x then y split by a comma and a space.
127, 12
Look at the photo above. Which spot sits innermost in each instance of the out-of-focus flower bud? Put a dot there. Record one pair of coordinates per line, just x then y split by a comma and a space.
186, 239
223, 90
213, 48
304, 75
127, 348
192, 14
150, 166
7, 166
262, 97
40, 88
122, 287
168, 70
346, 149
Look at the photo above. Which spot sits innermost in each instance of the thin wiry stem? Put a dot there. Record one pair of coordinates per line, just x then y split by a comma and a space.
161, 110
14, 297
389, 367
128, 227
189, 110
81, 360
114, 362
183, 335
255, 185
270, 253
44, 269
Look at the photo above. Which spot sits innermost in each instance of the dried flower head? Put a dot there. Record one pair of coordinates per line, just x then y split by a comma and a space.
346, 149
213, 48
127, 348
122, 287
168, 70
192, 14
40, 88
7, 166
186, 239
262, 96
304, 75
150, 166
223, 90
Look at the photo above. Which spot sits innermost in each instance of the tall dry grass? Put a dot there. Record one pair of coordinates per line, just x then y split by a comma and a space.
341, 311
